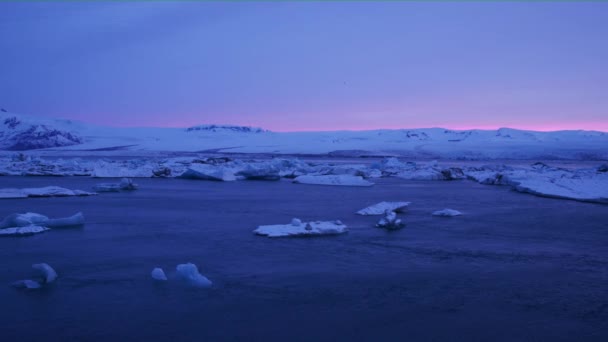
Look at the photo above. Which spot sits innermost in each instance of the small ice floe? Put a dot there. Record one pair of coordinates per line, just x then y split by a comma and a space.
342, 180
34, 219
48, 191
33, 223
189, 274
447, 213
22, 231
158, 274
47, 272
299, 228
390, 221
126, 184
208, 172
47, 276
382, 207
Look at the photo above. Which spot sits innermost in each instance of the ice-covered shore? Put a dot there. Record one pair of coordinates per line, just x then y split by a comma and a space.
583, 184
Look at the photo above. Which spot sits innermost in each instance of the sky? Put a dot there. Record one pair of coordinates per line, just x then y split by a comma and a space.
297, 66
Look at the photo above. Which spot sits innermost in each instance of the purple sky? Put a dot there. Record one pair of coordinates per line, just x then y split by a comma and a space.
309, 65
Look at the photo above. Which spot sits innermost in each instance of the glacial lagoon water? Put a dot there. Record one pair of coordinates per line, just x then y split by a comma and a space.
514, 267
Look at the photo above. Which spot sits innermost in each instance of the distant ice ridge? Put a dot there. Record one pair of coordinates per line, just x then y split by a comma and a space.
298, 228
33, 223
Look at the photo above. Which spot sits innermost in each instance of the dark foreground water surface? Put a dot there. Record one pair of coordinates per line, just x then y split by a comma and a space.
514, 268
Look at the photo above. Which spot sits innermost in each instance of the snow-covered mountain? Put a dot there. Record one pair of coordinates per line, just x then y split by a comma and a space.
20, 132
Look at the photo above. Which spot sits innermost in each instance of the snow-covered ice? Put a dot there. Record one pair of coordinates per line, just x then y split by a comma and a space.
190, 275
447, 213
341, 180
390, 221
158, 274
299, 228
22, 231
382, 207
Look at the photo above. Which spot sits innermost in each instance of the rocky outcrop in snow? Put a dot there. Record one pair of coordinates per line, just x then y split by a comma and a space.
18, 134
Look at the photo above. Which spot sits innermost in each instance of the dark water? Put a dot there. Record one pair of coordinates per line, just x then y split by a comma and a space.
514, 268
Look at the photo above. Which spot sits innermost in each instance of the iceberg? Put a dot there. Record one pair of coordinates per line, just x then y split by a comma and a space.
22, 231
208, 172
190, 275
34, 219
158, 274
390, 221
261, 172
72, 221
48, 191
447, 213
340, 180
382, 207
126, 184
47, 271
299, 228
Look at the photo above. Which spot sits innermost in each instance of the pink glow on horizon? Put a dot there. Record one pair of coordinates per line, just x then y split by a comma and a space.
541, 127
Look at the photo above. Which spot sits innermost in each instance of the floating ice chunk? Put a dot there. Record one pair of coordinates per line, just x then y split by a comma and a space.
22, 231
72, 221
208, 172
447, 213
33, 219
47, 271
299, 228
27, 284
158, 274
126, 184
189, 274
390, 221
382, 207
343, 180
48, 191
260, 172
22, 220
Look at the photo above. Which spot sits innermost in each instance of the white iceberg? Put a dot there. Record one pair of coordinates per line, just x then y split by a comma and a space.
390, 221
126, 184
47, 271
158, 274
382, 207
22, 231
340, 180
48, 191
447, 213
299, 228
190, 275
209, 172
34, 219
